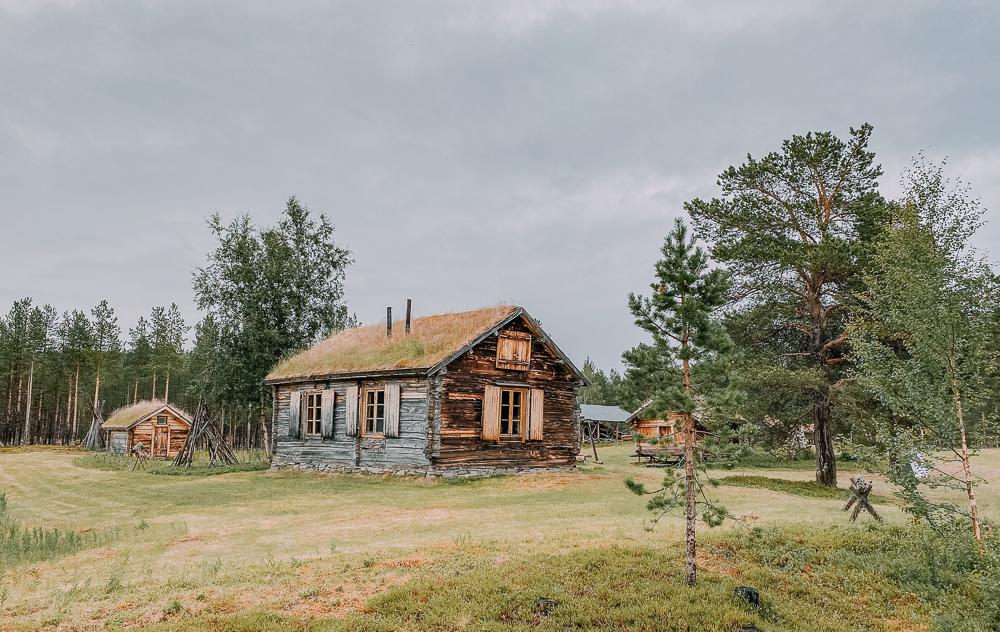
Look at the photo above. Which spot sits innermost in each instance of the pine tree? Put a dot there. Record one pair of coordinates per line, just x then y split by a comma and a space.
680, 314
793, 228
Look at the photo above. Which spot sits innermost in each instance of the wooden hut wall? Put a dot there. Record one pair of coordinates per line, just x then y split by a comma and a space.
143, 432
118, 441
408, 450
458, 416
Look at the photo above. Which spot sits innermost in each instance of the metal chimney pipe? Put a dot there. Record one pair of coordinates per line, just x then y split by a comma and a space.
388, 322
409, 308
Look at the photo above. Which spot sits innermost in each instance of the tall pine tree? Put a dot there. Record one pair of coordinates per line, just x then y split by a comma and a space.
793, 228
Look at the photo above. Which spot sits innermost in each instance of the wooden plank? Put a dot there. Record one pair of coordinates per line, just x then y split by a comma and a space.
491, 413
392, 409
329, 401
536, 414
351, 412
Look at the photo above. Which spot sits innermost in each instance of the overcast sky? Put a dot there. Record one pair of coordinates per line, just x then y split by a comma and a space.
468, 153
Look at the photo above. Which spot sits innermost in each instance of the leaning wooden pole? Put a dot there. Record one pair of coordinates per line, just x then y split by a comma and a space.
94, 440
219, 452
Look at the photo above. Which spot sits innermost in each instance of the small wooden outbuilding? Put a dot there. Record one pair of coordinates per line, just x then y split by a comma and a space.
664, 428
161, 427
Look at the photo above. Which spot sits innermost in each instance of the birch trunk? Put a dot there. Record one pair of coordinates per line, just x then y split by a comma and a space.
166, 390
970, 489
154, 385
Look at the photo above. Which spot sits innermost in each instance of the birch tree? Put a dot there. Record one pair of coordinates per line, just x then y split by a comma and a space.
269, 291
924, 343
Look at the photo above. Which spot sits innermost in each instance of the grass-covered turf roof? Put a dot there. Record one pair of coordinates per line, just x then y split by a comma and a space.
431, 340
128, 415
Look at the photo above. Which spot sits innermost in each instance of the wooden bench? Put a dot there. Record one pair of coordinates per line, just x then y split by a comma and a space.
658, 457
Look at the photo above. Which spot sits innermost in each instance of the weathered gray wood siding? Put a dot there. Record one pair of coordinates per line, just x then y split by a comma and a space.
408, 451
118, 442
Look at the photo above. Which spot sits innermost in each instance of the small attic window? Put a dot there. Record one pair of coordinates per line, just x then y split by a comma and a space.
514, 351
161, 420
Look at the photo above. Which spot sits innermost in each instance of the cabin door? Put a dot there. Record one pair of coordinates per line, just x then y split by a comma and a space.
161, 440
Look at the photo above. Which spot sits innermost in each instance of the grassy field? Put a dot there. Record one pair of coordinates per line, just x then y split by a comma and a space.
290, 550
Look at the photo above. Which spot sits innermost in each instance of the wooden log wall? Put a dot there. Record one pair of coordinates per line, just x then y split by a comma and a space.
144, 432
459, 415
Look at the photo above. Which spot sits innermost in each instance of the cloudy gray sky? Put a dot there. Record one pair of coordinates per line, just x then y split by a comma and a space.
528, 151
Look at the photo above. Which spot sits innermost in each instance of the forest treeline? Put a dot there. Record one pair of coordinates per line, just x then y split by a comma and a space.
264, 293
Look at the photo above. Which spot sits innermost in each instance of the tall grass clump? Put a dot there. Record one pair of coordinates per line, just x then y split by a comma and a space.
20, 543
103, 461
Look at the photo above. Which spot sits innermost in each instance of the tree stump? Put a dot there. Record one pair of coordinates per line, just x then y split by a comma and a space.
860, 489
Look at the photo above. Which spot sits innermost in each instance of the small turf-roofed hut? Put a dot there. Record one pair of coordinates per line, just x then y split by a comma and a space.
475, 392
162, 427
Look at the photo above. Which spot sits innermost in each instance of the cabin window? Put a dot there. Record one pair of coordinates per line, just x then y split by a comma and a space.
313, 414
512, 411
514, 351
374, 412
161, 420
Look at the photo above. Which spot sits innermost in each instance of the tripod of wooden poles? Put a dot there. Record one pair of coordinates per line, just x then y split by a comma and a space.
204, 429
94, 440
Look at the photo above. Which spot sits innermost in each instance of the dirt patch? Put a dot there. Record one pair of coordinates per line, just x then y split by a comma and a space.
552, 481
409, 562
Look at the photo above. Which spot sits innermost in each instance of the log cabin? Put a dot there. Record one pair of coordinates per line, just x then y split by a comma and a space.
162, 427
471, 393
665, 428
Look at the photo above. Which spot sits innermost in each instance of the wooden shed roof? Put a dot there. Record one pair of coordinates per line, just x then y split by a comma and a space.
434, 341
127, 416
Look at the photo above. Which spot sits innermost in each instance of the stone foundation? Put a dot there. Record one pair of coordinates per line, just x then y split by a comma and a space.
463, 472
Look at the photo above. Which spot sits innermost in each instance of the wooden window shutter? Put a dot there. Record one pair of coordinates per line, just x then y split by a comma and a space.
392, 409
329, 399
514, 351
351, 401
536, 414
491, 414
294, 408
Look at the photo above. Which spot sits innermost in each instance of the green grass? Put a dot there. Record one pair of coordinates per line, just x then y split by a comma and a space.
838, 578
22, 544
301, 551
248, 462
808, 489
